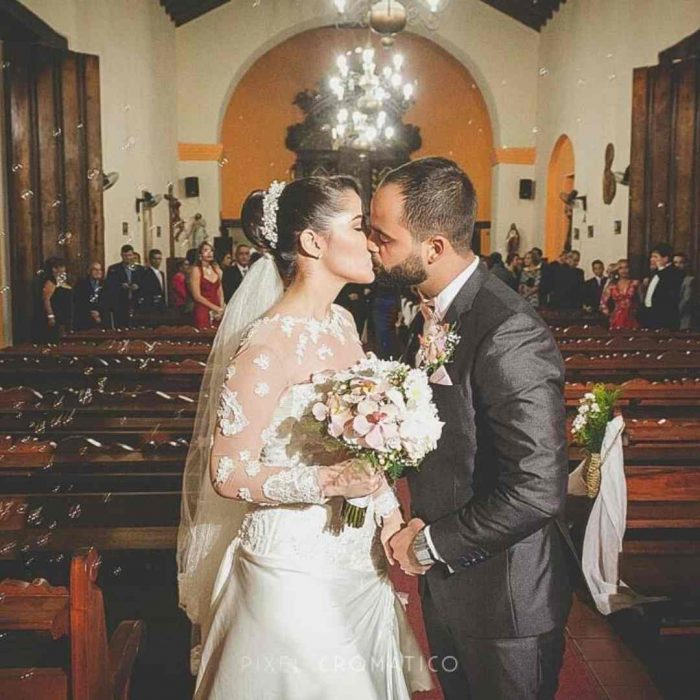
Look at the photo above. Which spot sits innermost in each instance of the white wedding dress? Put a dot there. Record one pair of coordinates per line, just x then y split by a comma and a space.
302, 609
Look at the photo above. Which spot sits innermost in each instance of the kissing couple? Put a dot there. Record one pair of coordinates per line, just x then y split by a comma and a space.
283, 604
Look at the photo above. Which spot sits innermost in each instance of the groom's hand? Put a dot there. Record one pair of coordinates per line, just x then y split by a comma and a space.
402, 548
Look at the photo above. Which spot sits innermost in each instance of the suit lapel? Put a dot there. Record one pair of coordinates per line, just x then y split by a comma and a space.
466, 295
458, 316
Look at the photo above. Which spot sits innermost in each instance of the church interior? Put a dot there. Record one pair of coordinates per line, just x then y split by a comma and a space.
131, 133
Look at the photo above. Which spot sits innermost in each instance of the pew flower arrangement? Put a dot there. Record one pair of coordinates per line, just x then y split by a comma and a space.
596, 409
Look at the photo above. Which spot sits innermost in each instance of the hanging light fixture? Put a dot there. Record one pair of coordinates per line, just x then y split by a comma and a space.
388, 17
370, 101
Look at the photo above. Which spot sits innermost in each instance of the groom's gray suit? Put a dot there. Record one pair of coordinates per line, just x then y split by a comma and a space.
493, 494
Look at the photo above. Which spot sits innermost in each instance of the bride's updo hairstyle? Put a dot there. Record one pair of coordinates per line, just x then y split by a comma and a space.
307, 203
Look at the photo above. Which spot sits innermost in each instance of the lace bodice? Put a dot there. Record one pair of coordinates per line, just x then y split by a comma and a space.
276, 354
265, 453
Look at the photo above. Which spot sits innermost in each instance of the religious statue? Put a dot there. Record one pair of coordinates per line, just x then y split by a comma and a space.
513, 240
197, 231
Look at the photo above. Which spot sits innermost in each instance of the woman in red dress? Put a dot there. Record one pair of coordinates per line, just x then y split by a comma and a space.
206, 290
623, 296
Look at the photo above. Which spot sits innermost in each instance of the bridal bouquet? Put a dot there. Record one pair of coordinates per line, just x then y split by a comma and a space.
383, 412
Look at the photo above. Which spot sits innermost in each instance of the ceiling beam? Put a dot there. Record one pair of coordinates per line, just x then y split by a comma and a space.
530, 16
196, 8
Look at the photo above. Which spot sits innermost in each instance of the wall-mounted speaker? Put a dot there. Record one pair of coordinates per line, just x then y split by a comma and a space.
192, 187
527, 189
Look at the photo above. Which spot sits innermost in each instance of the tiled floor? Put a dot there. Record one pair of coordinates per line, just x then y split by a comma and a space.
613, 667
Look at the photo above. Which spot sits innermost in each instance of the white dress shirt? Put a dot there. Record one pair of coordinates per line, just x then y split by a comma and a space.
653, 284
443, 301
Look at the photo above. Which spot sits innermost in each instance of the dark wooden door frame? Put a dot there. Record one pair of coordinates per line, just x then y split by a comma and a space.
18, 24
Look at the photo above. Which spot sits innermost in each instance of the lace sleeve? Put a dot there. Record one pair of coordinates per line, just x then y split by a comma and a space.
255, 382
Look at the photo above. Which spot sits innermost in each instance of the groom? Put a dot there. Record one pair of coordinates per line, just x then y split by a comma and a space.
486, 504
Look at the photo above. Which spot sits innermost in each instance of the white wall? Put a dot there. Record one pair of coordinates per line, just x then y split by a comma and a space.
589, 49
135, 41
215, 51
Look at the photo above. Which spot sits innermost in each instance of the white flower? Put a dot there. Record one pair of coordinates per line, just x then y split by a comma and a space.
324, 352
262, 389
262, 361
252, 469
232, 420
244, 494
223, 470
589, 396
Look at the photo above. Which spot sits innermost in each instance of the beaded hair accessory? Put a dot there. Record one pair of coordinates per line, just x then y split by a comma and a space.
270, 207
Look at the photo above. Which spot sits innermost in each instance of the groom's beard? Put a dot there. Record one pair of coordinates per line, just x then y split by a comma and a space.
409, 273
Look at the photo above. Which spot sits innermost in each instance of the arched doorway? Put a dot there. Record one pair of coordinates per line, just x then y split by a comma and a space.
450, 110
560, 178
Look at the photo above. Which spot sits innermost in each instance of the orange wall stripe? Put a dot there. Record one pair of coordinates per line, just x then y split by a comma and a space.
513, 156
200, 151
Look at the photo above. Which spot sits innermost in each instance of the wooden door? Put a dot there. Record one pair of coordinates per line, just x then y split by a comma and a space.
54, 167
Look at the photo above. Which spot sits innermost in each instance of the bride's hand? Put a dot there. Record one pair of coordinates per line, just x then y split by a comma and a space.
352, 478
391, 524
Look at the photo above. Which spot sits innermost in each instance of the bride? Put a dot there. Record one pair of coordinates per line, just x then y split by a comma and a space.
286, 603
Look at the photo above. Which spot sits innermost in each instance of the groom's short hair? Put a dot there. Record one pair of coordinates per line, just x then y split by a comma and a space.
438, 197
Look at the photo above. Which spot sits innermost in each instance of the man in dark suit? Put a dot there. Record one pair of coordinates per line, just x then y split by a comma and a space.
487, 531
566, 283
233, 275
661, 307
87, 299
122, 289
593, 288
152, 296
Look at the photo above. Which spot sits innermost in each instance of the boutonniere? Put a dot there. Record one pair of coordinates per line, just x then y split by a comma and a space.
437, 346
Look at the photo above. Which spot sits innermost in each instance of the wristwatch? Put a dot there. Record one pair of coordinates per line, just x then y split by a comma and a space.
422, 550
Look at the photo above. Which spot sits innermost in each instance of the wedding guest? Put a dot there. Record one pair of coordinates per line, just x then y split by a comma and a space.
205, 288
122, 288
661, 307
498, 269
87, 298
566, 283
593, 288
233, 276
179, 293
225, 261
685, 307
153, 288
53, 302
530, 279
514, 264
620, 300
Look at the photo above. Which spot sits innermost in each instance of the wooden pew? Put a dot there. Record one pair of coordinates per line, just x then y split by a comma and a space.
158, 333
99, 670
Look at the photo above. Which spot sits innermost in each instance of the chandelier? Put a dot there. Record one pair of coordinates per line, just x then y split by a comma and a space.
387, 17
370, 102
